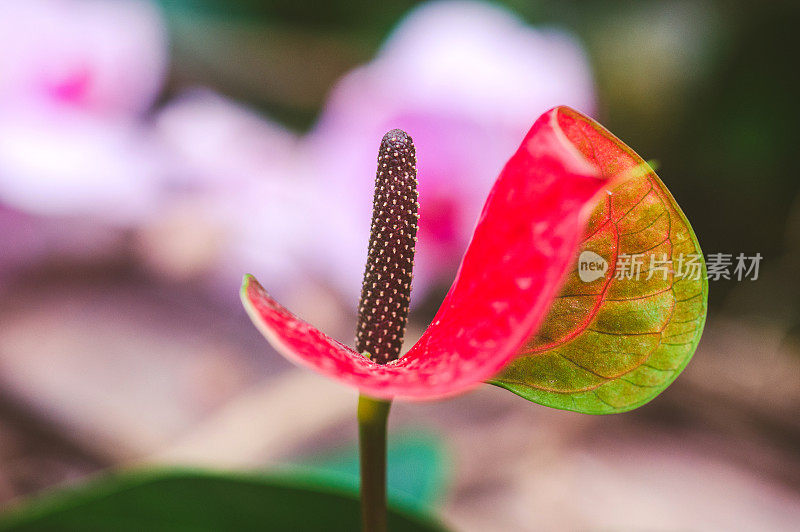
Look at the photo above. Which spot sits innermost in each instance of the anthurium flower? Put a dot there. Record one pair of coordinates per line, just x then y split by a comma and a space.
523, 246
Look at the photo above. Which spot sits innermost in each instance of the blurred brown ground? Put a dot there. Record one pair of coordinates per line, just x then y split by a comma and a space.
109, 371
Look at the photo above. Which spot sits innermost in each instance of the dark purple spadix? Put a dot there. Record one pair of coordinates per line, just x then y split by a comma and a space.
383, 309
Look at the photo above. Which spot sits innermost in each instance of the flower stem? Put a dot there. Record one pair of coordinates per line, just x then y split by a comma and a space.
372, 417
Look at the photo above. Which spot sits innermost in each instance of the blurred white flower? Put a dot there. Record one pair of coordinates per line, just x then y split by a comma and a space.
68, 164
466, 80
77, 76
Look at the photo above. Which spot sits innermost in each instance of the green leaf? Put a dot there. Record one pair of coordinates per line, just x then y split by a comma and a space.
612, 344
199, 501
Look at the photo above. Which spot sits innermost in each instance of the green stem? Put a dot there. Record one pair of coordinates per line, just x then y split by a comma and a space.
372, 417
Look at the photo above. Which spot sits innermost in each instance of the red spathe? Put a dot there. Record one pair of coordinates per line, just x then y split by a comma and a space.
524, 244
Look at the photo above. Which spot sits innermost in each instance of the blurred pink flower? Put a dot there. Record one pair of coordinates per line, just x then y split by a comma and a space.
242, 196
214, 143
77, 76
100, 56
466, 80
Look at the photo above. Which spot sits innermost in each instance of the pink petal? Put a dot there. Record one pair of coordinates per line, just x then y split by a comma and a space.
524, 244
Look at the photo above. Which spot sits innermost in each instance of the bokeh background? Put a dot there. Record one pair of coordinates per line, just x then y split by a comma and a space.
153, 152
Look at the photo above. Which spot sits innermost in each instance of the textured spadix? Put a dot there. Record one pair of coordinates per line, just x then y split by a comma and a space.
383, 309
524, 244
